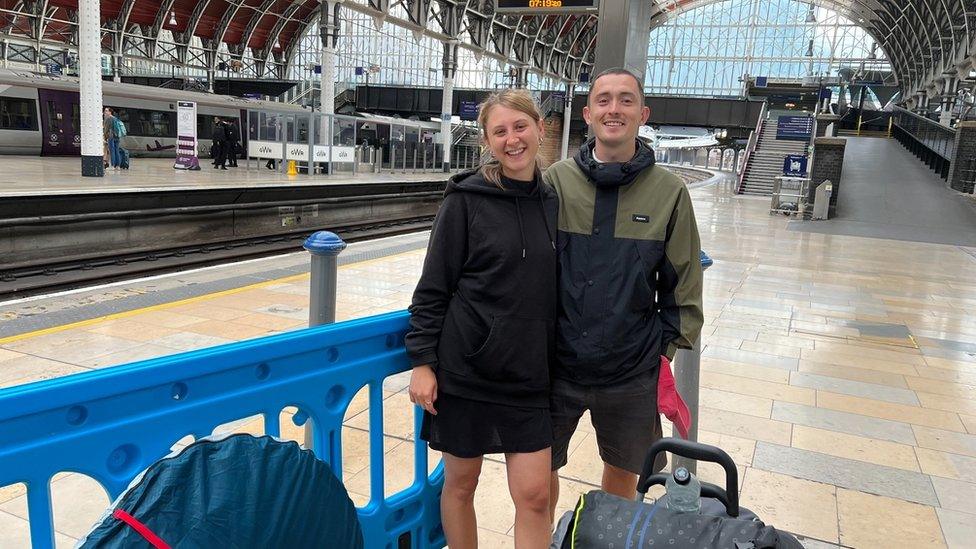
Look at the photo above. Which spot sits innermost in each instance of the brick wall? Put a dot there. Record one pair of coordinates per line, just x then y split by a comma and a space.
962, 172
551, 141
825, 120
828, 163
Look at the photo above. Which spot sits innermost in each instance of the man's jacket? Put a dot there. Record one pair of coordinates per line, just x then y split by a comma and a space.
630, 277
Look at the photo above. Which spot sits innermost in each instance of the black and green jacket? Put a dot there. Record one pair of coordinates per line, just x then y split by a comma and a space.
630, 276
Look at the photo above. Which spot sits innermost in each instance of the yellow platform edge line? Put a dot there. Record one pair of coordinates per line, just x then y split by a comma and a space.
159, 307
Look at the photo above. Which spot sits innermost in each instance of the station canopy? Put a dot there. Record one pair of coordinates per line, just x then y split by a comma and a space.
923, 39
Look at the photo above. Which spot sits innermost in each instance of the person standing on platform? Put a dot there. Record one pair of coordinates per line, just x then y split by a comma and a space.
106, 133
482, 326
219, 138
110, 132
233, 140
630, 284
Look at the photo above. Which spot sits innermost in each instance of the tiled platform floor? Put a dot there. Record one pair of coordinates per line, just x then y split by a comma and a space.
838, 371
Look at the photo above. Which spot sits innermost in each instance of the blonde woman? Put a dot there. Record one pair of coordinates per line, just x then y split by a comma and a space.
482, 323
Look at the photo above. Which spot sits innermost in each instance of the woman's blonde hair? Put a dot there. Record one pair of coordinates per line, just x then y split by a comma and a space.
513, 98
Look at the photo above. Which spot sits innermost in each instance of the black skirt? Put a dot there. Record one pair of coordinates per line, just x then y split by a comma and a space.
470, 428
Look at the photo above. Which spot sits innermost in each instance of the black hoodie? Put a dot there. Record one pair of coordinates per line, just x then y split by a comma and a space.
484, 310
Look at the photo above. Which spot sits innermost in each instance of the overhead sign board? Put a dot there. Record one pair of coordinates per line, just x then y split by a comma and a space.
469, 110
545, 6
796, 128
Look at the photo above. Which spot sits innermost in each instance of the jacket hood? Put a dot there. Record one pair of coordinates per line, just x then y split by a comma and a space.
613, 174
474, 182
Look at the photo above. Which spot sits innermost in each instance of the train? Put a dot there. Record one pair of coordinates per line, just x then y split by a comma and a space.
40, 114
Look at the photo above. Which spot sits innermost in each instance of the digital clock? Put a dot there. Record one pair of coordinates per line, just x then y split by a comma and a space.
545, 6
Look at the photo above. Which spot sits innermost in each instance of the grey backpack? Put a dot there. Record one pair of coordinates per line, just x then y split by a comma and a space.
605, 521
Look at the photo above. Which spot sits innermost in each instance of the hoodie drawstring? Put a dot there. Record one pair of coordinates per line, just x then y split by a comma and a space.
518, 214
542, 206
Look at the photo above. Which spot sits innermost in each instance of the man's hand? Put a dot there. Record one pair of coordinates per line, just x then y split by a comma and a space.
423, 388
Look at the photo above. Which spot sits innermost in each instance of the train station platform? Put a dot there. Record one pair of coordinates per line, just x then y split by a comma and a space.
42, 176
887, 193
838, 371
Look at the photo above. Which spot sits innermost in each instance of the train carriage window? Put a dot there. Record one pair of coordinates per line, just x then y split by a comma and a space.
53, 118
18, 114
147, 123
75, 119
204, 126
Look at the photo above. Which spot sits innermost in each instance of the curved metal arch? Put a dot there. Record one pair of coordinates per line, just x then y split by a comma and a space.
195, 16
223, 25
564, 39
252, 24
284, 18
121, 25
164, 7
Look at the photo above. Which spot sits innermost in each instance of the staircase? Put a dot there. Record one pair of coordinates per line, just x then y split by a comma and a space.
766, 162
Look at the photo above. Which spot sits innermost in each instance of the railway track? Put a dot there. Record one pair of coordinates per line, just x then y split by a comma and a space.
65, 245
66, 275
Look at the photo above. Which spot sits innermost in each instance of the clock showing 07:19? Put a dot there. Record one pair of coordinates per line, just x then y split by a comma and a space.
545, 6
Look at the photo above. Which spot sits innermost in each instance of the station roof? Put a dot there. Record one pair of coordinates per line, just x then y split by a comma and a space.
923, 39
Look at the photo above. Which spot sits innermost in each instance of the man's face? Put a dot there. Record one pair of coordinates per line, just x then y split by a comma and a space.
615, 109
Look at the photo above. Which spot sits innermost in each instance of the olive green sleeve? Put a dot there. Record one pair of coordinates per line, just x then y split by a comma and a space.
680, 279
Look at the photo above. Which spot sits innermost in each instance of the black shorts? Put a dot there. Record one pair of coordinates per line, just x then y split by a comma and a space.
624, 415
468, 428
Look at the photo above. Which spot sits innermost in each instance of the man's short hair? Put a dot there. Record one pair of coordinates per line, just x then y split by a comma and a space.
618, 70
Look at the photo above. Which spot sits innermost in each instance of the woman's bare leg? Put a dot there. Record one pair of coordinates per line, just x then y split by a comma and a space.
457, 501
528, 481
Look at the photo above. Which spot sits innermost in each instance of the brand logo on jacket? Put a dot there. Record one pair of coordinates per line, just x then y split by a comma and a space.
641, 218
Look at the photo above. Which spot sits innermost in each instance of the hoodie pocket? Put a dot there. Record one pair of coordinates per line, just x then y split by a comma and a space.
516, 350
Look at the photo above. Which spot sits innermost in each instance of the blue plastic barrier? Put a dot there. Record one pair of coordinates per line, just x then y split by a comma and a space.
111, 424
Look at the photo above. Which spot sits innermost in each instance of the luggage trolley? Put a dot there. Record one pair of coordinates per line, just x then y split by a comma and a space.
789, 195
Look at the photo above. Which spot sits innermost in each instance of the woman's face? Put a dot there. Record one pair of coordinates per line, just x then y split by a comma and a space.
513, 138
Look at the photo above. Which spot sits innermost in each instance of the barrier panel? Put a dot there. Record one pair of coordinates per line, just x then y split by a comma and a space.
111, 424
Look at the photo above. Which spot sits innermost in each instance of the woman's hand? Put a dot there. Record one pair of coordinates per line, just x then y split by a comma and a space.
423, 388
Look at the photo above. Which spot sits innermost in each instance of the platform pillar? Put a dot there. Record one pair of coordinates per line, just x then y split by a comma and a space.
447, 102
90, 71
948, 99
522, 76
567, 118
329, 33
624, 36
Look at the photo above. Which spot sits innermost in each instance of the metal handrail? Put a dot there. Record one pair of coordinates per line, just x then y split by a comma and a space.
938, 138
751, 147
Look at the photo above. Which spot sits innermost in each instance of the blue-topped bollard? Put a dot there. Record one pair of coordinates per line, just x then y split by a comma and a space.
325, 248
687, 366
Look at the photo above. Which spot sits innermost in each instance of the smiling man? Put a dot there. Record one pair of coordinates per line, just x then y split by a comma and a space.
630, 284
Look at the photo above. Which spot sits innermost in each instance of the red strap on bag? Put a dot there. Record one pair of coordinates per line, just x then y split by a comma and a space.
669, 402
141, 528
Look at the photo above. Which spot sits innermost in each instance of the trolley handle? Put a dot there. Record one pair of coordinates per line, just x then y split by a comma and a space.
700, 452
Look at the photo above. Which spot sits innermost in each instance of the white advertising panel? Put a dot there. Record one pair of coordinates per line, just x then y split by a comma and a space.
264, 149
296, 151
343, 154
